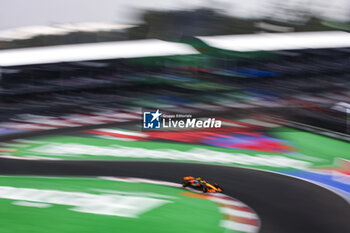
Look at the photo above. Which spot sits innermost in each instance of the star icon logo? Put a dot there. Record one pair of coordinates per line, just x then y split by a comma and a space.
156, 115
151, 120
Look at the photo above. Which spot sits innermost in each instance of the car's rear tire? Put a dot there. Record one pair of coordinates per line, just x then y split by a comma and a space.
184, 183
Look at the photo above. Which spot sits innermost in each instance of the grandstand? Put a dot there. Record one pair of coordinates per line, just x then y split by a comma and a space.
295, 78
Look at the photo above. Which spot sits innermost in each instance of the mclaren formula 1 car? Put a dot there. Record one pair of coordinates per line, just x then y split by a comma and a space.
200, 184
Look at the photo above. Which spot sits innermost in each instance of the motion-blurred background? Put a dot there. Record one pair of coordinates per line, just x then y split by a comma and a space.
265, 66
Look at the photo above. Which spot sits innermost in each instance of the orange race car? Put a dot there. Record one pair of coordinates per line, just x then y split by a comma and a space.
199, 183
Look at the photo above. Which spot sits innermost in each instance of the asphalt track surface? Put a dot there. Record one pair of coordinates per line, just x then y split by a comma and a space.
284, 204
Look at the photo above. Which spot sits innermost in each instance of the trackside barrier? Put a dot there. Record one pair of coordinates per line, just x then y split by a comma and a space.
309, 128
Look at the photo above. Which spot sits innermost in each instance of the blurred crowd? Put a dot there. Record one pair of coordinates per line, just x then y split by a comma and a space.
300, 85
